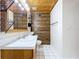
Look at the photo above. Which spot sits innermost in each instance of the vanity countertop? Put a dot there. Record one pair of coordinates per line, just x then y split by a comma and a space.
6, 38
28, 42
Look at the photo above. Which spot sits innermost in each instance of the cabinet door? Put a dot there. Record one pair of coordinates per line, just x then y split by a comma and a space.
17, 54
7, 54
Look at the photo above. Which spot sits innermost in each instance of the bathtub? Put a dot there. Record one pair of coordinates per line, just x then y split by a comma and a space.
23, 48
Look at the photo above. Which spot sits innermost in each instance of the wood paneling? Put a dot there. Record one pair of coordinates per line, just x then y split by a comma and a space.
18, 30
41, 26
3, 16
0, 21
20, 21
42, 5
16, 54
3, 21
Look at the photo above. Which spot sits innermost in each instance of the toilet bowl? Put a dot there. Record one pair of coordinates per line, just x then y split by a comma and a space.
39, 42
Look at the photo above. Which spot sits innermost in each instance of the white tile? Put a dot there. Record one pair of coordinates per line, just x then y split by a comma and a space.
46, 49
47, 57
51, 54
42, 57
46, 46
52, 57
45, 52
42, 53
37, 57
38, 53
41, 49
38, 50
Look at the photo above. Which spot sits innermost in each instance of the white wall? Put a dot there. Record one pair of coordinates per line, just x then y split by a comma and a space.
56, 29
71, 29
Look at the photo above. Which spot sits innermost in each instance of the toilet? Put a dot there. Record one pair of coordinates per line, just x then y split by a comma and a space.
39, 42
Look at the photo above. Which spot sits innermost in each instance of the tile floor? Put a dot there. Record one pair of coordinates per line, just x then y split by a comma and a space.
45, 52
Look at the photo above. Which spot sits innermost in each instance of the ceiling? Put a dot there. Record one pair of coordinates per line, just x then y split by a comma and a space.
44, 6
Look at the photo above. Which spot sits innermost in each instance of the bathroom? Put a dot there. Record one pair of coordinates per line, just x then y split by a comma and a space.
28, 27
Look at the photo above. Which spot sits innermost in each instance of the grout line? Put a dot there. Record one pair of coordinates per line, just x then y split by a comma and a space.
44, 50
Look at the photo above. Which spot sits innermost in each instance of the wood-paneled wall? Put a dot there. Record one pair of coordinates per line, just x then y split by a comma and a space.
0, 21
3, 20
41, 26
20, 21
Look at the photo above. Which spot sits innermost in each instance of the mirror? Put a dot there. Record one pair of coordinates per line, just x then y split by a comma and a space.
17, 18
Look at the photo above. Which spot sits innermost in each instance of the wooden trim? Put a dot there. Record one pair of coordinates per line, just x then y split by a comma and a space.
54, 5
34, 52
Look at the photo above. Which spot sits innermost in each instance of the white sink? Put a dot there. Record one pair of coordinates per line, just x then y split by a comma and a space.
28, 42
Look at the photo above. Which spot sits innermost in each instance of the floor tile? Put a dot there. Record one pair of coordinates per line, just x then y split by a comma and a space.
37, 57
42, 57
52, 57
38, 53
47, 57
45, 52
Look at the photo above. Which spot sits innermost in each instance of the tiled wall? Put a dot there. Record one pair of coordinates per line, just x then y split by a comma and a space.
56, 29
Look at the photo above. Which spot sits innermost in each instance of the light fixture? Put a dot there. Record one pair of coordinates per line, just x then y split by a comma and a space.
27, 7
22, 3
34, 8
22, 8
19, 5
16, 1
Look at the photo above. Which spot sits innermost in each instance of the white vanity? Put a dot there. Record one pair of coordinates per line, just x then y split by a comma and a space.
23, 48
